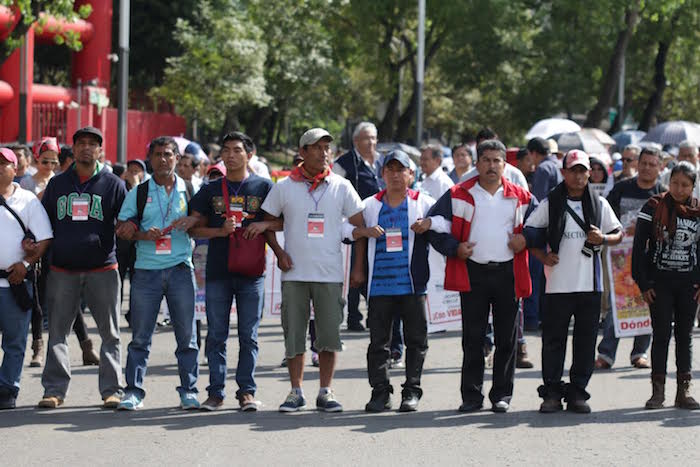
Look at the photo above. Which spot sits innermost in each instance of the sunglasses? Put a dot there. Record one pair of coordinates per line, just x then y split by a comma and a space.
49, 162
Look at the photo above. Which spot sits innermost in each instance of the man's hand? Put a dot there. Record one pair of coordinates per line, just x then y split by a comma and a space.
650, 295
421, 225
17, 273
284, 261
465, 250
29, 246
595, 236
517, 243
254, 229
357, 278
152, 234
228, 227
551, 259
185, 223
126, 230
368, 232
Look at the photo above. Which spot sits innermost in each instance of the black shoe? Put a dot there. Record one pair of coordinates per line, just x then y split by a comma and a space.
409, 403
356, 327
470, 406
551, 406
500, 407
578, 406
380, 401
7, 402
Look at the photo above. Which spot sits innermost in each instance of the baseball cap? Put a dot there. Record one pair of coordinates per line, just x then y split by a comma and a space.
218, 166
577, 157
312, 136
9, 155
538, 145
400, 156
88, 130
138, 162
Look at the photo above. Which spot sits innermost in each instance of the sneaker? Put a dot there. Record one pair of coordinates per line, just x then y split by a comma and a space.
601, 364
314, 359
8, 402
327, 403
409, 403
551, 406
641, 362
212, 403
380, 401
578, 406
50, 402
500, 407
248, 403
356, 327
293, 403
488, 359
112, 401
188, 401
470, 406
130, 402
284, 362
396, 362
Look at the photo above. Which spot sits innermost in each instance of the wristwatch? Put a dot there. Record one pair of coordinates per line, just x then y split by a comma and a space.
26, 264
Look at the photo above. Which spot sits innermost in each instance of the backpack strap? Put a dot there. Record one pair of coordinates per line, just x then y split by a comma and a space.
141, 198
14, 214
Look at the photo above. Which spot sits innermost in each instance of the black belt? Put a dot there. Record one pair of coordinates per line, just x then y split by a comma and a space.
4, 274
492, 264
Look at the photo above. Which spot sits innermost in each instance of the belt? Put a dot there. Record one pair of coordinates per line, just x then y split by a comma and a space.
492, 264
4, 274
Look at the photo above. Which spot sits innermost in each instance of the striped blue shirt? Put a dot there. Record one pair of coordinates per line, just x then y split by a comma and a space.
391, 269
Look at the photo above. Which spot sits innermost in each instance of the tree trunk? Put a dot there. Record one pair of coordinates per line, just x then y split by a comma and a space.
271, 126
654, 102
612, 76
385, 128
257, 123
403, 126
231, 122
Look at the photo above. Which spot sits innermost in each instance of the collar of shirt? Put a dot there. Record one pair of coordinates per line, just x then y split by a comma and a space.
482, 191
436, 174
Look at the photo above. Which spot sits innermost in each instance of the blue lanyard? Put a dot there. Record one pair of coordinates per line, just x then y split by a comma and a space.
170, 201
316, 201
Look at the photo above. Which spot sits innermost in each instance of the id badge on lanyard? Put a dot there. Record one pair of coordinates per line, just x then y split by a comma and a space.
80, 209
315, 225
164, 245
394, 240
237, 213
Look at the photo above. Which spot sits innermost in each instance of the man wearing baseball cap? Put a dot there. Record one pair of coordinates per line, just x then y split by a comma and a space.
20, 213
566, 233
398, 275
313, 202
83, 203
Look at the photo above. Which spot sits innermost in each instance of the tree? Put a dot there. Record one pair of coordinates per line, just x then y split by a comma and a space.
29, 12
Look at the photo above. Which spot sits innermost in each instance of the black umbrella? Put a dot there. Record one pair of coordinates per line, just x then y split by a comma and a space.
673, 133
579, 140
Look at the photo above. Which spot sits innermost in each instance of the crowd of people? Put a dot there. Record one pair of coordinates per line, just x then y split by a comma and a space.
525, 245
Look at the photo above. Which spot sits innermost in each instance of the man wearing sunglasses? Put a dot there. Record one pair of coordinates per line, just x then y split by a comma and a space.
630, 160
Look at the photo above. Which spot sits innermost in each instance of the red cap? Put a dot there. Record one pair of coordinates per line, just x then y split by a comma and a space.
218, 166
9, 155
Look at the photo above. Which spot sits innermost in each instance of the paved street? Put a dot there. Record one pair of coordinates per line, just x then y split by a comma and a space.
618, 432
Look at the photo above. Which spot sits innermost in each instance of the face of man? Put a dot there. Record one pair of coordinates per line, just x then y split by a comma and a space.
428, 163
21, 163
649, 167
576, 178
234, 155
134, 172
366, 143
396, 176
688, 155
316, 156
527, 164
163, 161
629, 162
184, 167
86, 149
462, 158
491, 165
8, 171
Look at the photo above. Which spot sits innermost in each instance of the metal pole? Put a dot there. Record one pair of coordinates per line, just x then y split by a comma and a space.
621, 95
420, 64
123, 85
80, 100
22, 136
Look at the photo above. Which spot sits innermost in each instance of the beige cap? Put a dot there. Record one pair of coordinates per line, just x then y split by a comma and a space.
312, 136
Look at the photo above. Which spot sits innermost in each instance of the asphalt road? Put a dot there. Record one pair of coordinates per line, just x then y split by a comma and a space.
618, 432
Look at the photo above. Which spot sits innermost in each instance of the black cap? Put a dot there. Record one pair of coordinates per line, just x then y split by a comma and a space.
88, 130
138, 162
538, 145
398, 155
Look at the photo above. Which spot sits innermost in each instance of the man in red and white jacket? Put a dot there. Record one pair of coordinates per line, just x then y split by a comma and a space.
487, 263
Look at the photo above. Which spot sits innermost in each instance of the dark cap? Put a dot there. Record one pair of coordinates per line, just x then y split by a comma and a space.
88, 130
538, 145
398, 155
138, 162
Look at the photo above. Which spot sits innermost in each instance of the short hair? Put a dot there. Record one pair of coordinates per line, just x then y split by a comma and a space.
65, 154
522, 152
687, 169
239, 136
194, 161
163, 141
538, 145
458, 146
486, 133
652, 152
491, 145
634, 148
687, 144
363, 126
19, 149
435, 150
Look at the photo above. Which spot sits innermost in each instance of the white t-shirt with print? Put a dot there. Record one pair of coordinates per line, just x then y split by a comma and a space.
575, 272
32, 213
314, 258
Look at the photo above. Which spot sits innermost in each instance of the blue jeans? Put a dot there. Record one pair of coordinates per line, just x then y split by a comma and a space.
396, 345
148, 287
608, 345
249, 294
531, 304
14, 325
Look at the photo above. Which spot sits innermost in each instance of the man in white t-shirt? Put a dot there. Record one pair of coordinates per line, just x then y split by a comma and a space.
566, 233
17, 255
435, 181
313, 201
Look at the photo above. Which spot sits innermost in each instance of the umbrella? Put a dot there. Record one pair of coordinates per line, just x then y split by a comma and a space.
181, 143
579, 140
673, 133
623, 138
386, 148
551, 126
600, 135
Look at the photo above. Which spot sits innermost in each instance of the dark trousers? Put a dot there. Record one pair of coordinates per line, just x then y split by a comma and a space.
560, 307
415, 329
492, 287
674, 304
354, 315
